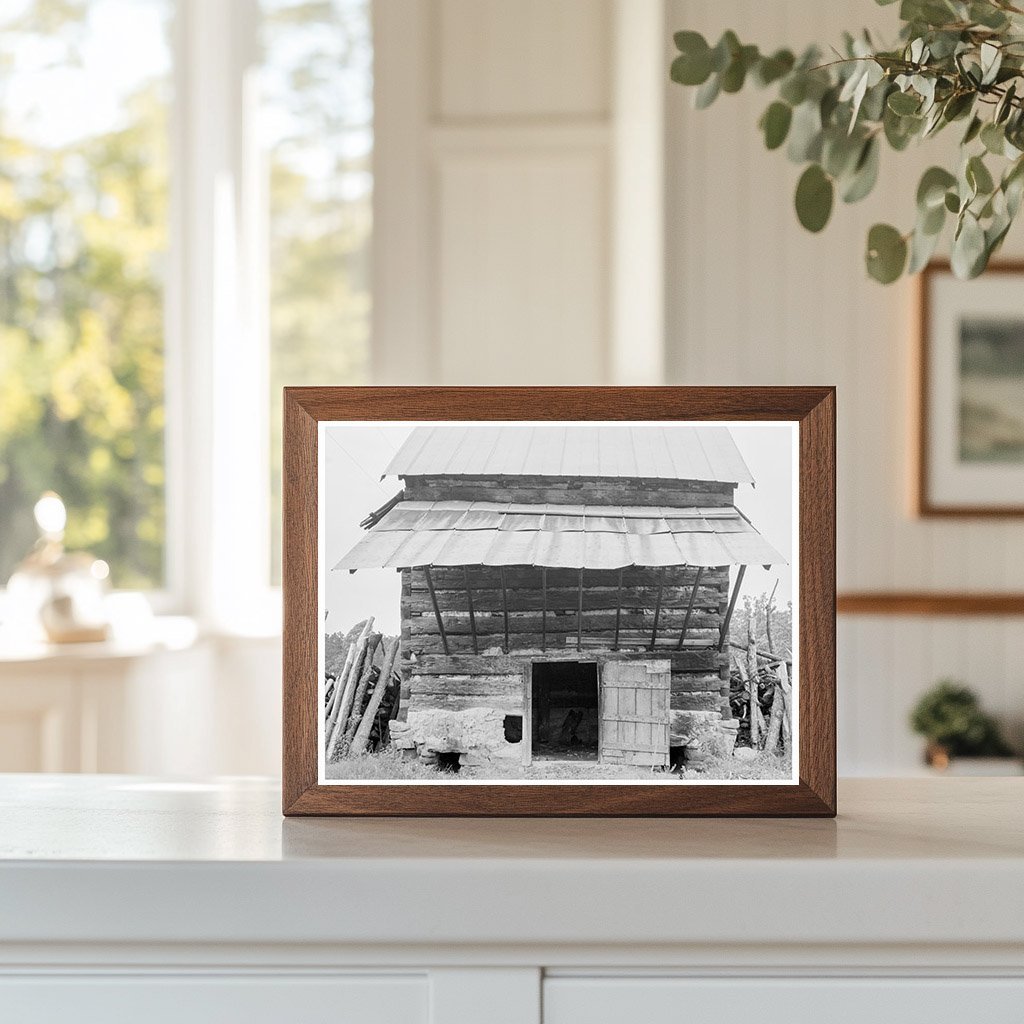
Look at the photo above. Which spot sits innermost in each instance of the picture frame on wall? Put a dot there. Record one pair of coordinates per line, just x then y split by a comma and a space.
559, 601
970, 385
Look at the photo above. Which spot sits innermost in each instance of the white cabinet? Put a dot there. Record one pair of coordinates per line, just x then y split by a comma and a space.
828, 1000
202, 999
128, 899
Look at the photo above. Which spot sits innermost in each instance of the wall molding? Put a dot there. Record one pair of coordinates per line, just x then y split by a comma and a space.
929, 603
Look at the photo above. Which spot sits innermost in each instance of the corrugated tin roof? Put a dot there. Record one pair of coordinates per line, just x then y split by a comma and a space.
417, 533
672, 451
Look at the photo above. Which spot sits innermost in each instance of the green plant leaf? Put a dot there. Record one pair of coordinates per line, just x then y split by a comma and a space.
805, 133
814, 194
693, 65
978, 176
903, 103
973, 130
931, 191
794, 88
952, 202
922, 247
771, 69
993, 138
987, 15
968, 248
775, 124
991, 57
865, 173
707, 93
886, 253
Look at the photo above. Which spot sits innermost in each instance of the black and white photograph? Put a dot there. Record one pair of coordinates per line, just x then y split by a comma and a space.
558, 602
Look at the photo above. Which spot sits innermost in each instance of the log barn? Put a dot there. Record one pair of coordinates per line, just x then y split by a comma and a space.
566, 588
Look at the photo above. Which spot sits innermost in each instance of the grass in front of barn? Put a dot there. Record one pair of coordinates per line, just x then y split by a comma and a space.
389, 766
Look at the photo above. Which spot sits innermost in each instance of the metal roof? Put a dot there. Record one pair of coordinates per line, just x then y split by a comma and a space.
417, 533
671, 451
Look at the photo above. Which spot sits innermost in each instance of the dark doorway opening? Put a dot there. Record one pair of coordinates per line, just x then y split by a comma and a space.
565, 716
448, 762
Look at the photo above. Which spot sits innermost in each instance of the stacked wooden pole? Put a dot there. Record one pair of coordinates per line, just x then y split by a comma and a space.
347, 725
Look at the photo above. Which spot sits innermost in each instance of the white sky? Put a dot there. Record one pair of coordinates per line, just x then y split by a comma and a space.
356, 454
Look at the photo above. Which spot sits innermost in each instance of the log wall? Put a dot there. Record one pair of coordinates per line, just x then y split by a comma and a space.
570, 490
488, 676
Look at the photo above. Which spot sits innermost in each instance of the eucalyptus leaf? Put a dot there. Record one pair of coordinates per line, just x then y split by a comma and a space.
991, 60
865, 173
775, 124
814, 195
955, 60
931, 190
968, 248
771, 69
805, 133
973, 130
886, 253
922, 247
707, 93
904, 103
978, 176
993, 138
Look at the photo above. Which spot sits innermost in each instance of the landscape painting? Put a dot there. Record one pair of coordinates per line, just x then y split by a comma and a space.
541, 603
992, 389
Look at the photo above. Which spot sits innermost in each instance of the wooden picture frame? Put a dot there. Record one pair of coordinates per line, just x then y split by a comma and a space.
926, 503
811, 409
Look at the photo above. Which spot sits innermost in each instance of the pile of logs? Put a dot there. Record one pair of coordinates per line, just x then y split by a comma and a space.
364, 697
761, 698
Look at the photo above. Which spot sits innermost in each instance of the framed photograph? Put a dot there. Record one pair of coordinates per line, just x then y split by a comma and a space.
970, 451
559, 601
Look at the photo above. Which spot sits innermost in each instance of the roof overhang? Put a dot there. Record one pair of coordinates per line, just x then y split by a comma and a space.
452, 533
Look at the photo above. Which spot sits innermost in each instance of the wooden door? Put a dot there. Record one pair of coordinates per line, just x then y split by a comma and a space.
635, 712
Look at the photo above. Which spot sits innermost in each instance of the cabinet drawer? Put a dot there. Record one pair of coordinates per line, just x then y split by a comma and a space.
202, 999
569, 1000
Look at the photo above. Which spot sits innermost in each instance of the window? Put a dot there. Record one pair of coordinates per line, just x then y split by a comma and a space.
237, 212
83, 235
317, 89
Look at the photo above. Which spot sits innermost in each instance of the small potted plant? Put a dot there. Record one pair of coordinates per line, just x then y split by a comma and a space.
950, 718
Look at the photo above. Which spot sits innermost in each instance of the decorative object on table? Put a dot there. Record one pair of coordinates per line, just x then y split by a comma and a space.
951, 719
509, 601
970, 450
957, 63
60, 593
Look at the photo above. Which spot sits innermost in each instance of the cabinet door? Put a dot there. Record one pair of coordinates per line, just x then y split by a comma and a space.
784, 1000
635, 712
205, 999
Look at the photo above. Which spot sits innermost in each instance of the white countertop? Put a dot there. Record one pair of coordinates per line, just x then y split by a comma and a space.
121, 859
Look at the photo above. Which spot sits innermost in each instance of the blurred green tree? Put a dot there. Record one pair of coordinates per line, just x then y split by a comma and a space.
83, 218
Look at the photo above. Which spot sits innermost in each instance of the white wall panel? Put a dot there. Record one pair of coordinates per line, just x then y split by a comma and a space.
754, 299
530, 58
522, 279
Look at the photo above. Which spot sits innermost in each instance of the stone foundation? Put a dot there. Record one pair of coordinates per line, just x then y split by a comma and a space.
478, 734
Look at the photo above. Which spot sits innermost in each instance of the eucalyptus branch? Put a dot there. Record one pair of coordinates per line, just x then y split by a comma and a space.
955, 61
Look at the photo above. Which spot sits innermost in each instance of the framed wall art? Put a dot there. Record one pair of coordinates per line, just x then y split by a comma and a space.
559, 601
970, 444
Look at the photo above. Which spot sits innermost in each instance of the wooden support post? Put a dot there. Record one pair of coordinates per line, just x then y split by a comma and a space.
579, 615
724, 636
544, 609
657, 606
469, 601
753, 703
362, 733
618, 611
437, 611
504, 602
689, 608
